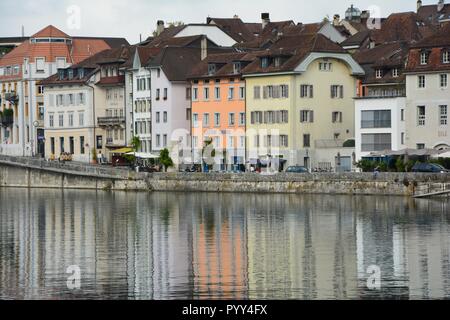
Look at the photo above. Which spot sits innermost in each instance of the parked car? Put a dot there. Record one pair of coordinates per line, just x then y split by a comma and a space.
297, 169
429, 168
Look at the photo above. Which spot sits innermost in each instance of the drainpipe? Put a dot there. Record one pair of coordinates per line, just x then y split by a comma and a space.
93, 116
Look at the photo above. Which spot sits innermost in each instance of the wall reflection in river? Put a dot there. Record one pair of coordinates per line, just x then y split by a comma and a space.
227, 246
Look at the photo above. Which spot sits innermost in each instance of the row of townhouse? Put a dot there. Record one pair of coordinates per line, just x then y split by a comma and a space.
283, 93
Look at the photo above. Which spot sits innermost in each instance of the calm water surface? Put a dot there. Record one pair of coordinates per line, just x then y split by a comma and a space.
227, 246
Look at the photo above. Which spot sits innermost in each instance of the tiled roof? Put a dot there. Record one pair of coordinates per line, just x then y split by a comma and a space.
50, 32
225, 60
80, 49
357, 39
430, 13
404, 26
112, 81
435, 44
177, 62
385, 57
146, 53
236, 28
294, 49
179, 42
440, 38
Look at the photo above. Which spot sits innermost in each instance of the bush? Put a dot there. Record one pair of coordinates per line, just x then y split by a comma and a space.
400, 165
349, 144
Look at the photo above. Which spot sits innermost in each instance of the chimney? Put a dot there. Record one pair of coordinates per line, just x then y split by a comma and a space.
265, 17
159, 27
440, 5
204, 48
336, 20
236, 16
208, 20
419, 4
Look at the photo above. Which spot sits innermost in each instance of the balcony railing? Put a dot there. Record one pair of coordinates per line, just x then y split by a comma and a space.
12, 97
111, 121
374, 124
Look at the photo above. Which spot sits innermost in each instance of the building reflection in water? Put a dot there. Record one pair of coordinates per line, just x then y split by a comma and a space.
221, 246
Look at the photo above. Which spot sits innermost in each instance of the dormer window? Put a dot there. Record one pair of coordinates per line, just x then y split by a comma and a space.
424, 58
446, 56
70, 74
211, 68
236, 67
278, 62
264, 62
61, 74
378, 73
81, 73
395, 73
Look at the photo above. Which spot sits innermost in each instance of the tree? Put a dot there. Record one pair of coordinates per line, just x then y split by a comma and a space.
207, 147
135, 145
165, 159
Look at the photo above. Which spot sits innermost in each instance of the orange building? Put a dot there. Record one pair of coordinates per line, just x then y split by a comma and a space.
218, 110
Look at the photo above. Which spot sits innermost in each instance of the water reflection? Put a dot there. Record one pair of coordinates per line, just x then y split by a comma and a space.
228, 246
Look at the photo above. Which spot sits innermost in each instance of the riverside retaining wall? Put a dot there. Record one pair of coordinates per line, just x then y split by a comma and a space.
33, 173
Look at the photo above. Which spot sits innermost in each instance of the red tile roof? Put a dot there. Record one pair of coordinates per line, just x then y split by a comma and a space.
79, 50
50, 32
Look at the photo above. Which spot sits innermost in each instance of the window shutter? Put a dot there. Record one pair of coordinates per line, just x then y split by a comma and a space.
287, 91
252, 115
341, 88
332, 95
311, 116
311, 91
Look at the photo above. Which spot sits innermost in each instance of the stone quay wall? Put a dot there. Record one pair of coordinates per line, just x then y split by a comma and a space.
35, 173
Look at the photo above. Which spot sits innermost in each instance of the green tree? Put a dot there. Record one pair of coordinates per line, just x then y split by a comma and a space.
165, 159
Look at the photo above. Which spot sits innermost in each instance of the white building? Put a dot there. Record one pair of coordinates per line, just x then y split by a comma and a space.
428, 93
379, 124
39, 57
380, 108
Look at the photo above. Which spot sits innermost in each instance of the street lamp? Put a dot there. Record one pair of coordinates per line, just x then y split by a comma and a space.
35, 125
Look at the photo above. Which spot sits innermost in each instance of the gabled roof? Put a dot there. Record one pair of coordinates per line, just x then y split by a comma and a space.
177, 62
180, 42
431, 14
235, 27
403, 26
440, 38
225, 60
50, 32
294, 49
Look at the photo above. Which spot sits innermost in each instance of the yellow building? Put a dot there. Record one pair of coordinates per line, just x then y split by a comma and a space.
300, 103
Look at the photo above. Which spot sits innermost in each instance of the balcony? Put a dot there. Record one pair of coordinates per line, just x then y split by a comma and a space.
111, 143
111, 121
376, 124
12, 97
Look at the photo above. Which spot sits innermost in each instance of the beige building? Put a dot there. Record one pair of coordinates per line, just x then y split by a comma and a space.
85, 108
300, 103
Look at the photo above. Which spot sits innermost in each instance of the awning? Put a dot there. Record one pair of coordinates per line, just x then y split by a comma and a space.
122, 151
141, 155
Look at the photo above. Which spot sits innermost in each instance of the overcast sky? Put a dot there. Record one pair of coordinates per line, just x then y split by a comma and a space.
130, 18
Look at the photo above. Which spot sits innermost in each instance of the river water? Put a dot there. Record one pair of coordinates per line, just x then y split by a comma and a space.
221, 246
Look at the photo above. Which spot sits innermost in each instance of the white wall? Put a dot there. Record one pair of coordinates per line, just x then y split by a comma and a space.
214, 33
432, 96
395, 105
